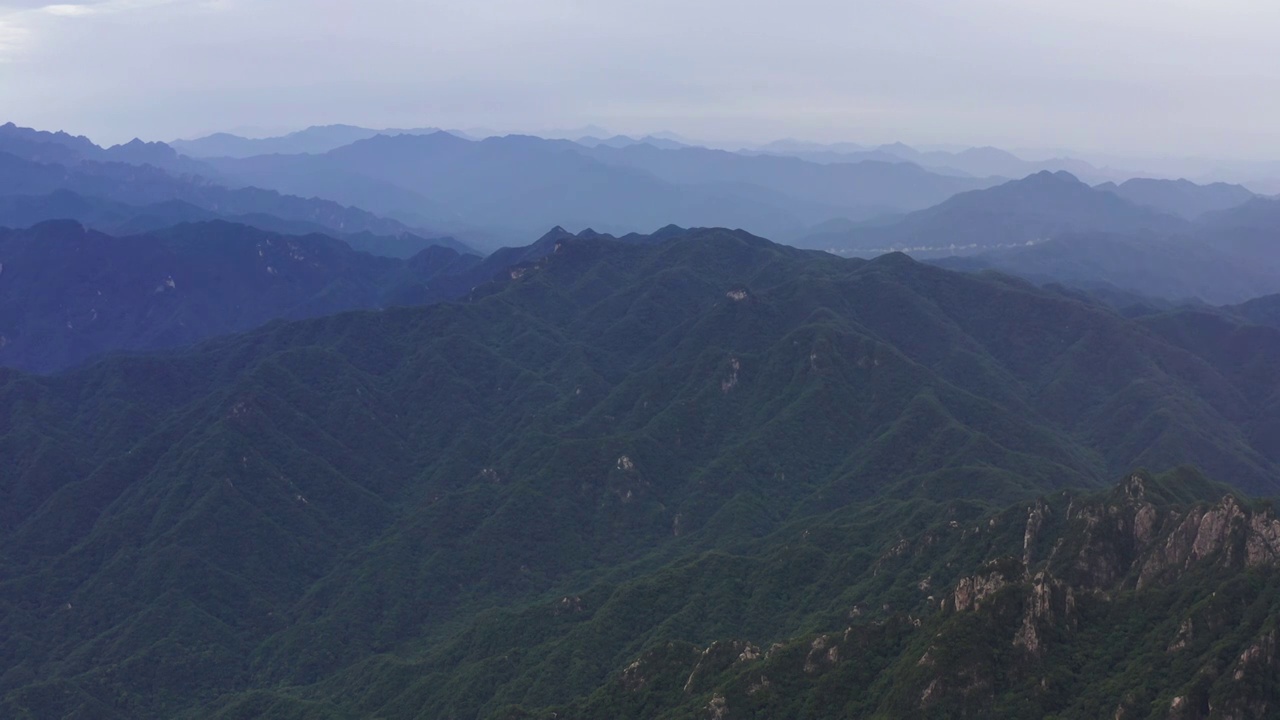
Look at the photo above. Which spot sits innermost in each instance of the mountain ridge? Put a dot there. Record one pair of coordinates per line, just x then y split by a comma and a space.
70, 294
634, 424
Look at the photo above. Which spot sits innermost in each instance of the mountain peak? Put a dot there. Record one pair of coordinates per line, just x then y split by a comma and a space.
1054, 176
554, 234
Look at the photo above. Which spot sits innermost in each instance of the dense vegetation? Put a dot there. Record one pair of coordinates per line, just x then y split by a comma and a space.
68, 294
1157, 599
621, 451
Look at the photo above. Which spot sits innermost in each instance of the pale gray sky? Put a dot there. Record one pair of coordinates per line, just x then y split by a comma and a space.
1134, 76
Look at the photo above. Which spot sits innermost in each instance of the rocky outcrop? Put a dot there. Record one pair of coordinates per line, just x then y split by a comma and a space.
1050, 603
1068, 569
1035, 521
1257, 656
821, 653
971, 591
1112, 544
717, 657
1225, 534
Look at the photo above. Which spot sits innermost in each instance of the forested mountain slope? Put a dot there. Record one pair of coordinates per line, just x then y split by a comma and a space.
614, 448
68, 294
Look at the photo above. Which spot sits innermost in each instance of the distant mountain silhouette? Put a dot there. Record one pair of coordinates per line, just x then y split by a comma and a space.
1259, 311
1173, 269
62, 148
1180, 197
99, 194
77, 146
854, 190
69, 294
993, 161
1257, 213
514, 186
621, 141
972, 162
315, 139
510, 187
1227, 256
1034, 209
117, 218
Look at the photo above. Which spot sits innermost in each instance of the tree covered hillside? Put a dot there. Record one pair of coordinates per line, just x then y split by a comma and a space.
495, 506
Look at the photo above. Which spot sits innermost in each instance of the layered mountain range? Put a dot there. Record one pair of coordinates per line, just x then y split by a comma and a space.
277, 448
613, 462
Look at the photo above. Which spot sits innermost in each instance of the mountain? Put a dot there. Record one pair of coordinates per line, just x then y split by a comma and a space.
1259, 311
65, 149
314, 140
858, 190
509, 188
59, 146
971, 162
1174, 269
108, 216
34, 162
68, 294
1153, 599
1257, 213
117, 218
621, 141
103, 187
1225, 257
1022, 212
1180, 197
620, 458
990, 161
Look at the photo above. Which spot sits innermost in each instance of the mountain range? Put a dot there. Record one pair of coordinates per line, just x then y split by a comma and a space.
117, 218
72, 294
972, 162
510, 188
60, 148
1181, 197
503, 190
1020, 212
1224, 257
47, 176
1167, 240
638, 477
68, 294
290, 456
315, 140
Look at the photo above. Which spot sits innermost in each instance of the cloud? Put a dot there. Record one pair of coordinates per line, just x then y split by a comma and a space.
1160, 75
13, 6
70, 10
30, 8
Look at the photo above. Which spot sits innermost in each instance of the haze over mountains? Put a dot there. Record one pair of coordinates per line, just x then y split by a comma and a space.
726, 360
331, 426
398, 194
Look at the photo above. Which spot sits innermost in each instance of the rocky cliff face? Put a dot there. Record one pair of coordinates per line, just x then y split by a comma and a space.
1118, 546
1131, 603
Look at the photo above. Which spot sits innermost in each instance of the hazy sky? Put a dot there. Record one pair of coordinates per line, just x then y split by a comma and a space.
1149, 76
